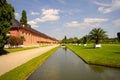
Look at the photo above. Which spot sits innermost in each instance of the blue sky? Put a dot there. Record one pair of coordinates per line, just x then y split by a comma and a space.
73, 18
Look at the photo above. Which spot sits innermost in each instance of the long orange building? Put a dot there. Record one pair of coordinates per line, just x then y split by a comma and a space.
32, 36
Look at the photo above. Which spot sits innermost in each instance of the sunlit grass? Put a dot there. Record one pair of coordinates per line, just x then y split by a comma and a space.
19, 49
107, 55
10, 50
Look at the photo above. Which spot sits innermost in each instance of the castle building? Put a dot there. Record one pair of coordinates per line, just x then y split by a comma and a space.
32, 36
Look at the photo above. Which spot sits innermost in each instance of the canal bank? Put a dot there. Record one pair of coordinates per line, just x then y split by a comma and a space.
108, 55
65, 65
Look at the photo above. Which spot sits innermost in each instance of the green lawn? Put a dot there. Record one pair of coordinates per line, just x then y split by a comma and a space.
5, 51
107, 55
23, 71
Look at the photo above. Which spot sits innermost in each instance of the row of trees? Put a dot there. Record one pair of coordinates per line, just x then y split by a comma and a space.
96, 35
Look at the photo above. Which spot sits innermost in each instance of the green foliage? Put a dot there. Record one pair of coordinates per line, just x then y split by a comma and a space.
6, 14
10, 50
23, 71
85, 39
97, 34
23, 19
15, 41
64, 40
71, 40
118, 35
108, 55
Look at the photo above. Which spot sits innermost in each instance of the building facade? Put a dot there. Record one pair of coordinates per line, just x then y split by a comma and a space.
32, 37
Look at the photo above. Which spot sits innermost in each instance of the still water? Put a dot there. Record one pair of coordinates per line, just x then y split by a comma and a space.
65, 65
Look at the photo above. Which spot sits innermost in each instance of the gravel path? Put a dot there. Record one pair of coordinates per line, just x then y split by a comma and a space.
12, 60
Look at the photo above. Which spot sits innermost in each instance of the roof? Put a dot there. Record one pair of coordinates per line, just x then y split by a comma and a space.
15, 23
18, 25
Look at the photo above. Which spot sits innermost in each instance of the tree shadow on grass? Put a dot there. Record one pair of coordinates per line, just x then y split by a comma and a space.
89, 48
117, 52
3, 52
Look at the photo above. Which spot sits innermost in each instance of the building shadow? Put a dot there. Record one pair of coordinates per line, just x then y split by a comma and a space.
3, 52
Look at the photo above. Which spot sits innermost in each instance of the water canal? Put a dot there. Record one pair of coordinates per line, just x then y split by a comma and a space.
65, 65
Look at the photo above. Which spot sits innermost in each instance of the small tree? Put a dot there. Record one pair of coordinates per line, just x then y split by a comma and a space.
64, 40
118, 35
97, 34
23, 19
6, 14
15, 41
85, 39
75, 39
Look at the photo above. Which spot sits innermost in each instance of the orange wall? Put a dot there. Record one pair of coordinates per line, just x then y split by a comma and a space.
30, 37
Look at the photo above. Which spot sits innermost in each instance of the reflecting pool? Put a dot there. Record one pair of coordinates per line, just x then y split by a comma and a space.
65, 65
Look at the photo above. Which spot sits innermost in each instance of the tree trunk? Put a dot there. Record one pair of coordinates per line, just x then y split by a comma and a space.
97, 41
2, 47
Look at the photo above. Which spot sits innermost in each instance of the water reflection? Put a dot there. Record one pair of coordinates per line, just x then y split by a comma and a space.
65, 65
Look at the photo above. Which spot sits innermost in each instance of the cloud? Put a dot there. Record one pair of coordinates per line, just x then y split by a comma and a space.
35, 13
116, 22
33, 23
47, 15
95, 20
73, 24
107, 8
101, 4
104, 10
16, 14
87, 22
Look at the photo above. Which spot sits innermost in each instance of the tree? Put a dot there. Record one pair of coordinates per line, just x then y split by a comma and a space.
75, 39
97, 34
6, 15
23, 19
85, 39
118, 35
15, 41
64, 40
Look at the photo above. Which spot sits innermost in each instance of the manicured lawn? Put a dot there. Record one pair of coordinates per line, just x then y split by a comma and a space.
19, 49
5, 51
23, 71
107, 55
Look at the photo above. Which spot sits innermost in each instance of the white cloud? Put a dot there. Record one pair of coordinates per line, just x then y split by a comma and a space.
16, 14
73, 24
35, 13
33, 23
95, 20
101, 4
47, 15
104, 10
116, 22
87, 22
107, 8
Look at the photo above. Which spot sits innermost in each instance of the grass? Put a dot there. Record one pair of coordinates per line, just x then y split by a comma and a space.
107, 55
23, 71
5, 51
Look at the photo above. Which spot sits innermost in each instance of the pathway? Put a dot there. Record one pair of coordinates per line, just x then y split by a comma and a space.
12, 60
